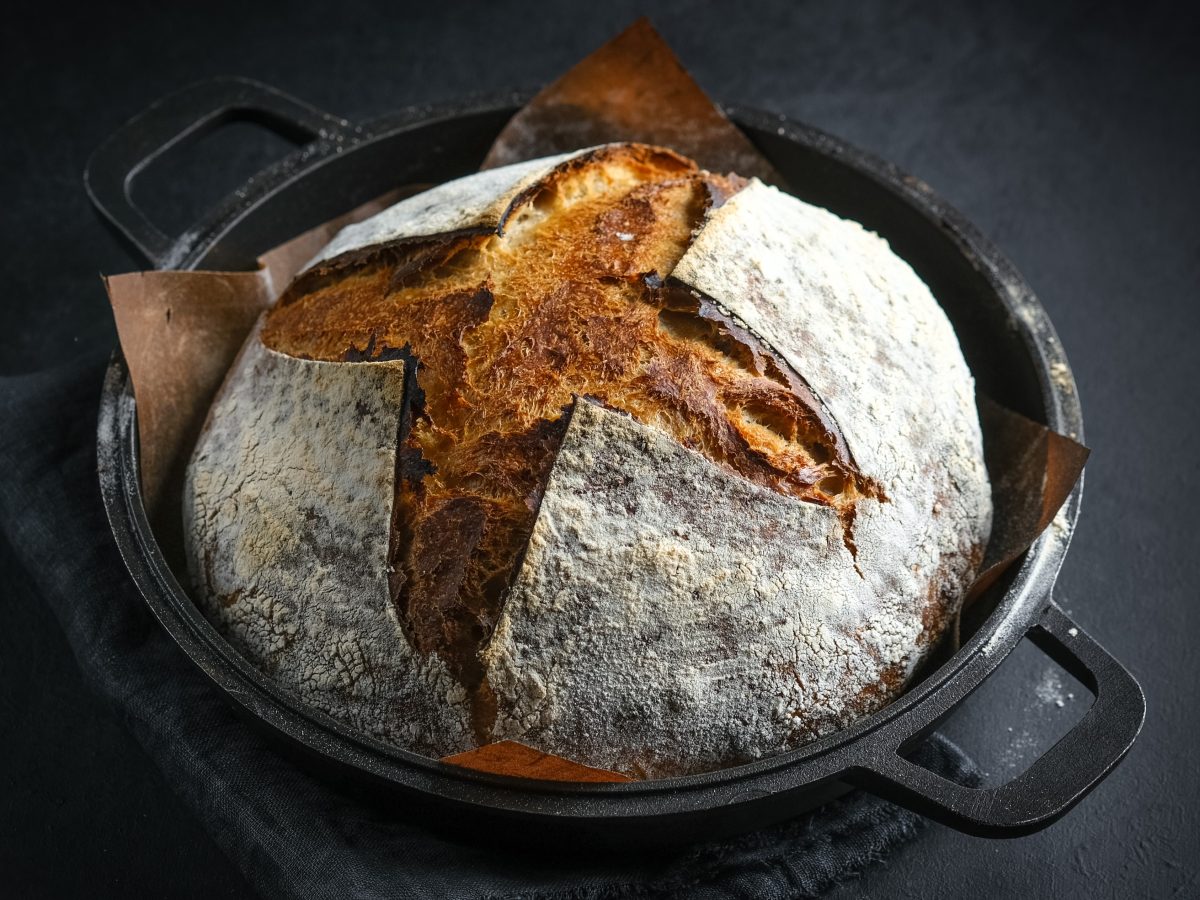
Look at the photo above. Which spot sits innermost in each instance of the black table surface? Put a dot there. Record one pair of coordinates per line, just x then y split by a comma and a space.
1067, 132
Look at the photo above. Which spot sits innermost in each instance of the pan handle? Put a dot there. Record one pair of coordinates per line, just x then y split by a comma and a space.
1058, 779
184, 116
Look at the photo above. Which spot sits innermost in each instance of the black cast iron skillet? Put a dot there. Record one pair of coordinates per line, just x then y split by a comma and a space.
1006, 337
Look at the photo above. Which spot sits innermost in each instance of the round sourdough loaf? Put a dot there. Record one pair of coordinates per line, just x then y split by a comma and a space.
651, 468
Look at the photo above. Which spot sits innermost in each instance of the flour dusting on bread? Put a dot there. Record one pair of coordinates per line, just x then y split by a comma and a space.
669, 470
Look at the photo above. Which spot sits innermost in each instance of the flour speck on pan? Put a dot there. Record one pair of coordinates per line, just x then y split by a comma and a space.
647, 467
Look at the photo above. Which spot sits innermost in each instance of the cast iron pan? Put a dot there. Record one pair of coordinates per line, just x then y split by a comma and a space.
1006, 337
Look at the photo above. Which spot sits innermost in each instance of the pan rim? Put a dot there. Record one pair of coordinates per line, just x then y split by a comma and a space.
820, 760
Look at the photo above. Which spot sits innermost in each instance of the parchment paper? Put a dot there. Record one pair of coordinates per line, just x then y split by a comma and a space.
631, 89
179, 333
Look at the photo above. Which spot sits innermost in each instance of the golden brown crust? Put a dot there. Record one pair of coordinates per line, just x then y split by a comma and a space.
567, 299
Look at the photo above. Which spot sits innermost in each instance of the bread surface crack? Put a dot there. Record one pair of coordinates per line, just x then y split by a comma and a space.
502, 332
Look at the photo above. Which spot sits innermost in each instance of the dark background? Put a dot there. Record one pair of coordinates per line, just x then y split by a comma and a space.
1067, 132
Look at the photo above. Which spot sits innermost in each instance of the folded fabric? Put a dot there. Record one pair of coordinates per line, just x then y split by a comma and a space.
290, 833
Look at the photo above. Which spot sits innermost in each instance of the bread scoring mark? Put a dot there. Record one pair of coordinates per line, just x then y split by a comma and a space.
282, 512
569, 296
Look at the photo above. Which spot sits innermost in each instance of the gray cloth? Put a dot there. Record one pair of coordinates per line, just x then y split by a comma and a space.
295, 835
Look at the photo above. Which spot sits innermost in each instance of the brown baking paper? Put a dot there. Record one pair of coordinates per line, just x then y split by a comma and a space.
631, 89
180, 331
520, 760
1033, 470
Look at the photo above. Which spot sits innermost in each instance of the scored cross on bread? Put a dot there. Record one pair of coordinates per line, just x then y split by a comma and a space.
526, 308
566, 299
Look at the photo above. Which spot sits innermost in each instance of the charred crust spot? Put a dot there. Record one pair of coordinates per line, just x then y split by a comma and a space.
411, 467
376, 353
227, 600
719, 190
502, 330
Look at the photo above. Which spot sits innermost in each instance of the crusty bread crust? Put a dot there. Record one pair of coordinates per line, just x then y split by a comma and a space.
285, 506
605, 347
507, 329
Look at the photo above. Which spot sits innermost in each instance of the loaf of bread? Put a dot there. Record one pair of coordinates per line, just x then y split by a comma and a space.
651, 468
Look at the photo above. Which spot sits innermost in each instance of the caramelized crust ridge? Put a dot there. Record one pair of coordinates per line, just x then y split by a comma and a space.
570, 296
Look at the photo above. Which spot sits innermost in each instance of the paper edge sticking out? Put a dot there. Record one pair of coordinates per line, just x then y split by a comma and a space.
180, 331
517, 760
633, 88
